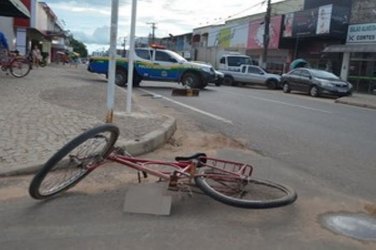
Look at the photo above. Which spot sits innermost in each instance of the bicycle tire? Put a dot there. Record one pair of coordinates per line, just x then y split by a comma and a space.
22, 65
65, 160
259, 199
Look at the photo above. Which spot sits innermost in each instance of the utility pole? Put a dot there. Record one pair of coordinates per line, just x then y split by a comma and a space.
124, 43
112, 61
153, 28
266, 34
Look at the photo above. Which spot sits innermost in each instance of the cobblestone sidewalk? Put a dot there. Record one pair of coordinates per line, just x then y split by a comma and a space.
51, 105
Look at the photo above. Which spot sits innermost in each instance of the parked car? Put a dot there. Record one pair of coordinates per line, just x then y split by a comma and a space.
252, 74
219, 76
315, 82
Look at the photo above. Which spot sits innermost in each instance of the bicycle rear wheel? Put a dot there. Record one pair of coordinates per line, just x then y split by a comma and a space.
74, 161
20, 67
244, 193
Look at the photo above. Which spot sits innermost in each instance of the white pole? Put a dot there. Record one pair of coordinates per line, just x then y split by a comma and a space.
131, 57
112, 61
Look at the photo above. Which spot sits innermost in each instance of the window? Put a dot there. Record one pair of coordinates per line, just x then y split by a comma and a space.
238, 60
254, 70
222, 61
305, 73
162, 56
296, 72
143, 53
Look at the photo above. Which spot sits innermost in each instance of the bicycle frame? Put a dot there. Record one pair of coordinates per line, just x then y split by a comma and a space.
183, 169
6, 61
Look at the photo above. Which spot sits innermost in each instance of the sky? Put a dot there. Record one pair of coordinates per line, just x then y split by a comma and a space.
89, 20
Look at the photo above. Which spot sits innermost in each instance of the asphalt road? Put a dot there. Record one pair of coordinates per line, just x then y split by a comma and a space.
332, 142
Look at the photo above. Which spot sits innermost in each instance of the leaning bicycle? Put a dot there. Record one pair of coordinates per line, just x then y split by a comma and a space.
226, 181
18, 66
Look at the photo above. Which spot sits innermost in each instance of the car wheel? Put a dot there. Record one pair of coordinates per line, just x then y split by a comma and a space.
314, 91
228, 80
272, 84
286, 87
136, 80
191, 80
121, 78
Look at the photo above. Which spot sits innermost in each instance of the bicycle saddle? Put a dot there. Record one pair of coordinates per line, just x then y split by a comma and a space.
192, 157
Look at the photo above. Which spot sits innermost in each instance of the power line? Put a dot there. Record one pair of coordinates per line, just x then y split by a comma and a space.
238, 13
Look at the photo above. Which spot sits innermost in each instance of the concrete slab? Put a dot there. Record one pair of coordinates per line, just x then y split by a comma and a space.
149, 198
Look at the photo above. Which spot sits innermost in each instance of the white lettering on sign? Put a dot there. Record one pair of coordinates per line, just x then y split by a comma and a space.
362, 33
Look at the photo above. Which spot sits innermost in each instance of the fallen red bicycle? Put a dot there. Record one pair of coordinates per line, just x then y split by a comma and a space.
226, 181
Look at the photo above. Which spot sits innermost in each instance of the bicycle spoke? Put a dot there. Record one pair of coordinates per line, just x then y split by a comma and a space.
19, 67
243, 189
74, 165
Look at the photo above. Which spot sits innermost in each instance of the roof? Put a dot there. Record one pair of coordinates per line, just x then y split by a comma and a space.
13, 8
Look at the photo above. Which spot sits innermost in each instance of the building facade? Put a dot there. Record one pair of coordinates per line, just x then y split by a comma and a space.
308, 32
245, 35
359, 52
42, 29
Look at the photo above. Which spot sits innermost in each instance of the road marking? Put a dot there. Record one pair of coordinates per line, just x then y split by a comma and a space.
292, 105
284, 103
188, 107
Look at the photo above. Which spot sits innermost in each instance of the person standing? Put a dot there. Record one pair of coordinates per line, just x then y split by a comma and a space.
4, 48
37, 56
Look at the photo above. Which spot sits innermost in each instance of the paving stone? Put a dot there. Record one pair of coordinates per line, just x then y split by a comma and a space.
42, 111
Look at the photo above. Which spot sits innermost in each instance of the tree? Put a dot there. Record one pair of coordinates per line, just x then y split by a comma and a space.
78, 46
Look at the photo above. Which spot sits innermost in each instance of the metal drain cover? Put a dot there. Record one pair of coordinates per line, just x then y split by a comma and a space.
357, 225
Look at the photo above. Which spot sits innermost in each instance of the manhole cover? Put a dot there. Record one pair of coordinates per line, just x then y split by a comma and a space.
359, 226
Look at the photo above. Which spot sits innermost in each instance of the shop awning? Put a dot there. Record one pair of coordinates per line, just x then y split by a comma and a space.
350, 48
13, 8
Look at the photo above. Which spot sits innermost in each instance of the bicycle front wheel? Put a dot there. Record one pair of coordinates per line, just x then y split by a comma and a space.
244, 193
74, 161
20, 67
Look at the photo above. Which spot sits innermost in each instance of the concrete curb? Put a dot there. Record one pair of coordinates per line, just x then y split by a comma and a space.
146, 144
150, 141
358, 104
23, 170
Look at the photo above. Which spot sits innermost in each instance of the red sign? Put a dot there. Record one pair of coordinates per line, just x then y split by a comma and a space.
256, 33
23, 22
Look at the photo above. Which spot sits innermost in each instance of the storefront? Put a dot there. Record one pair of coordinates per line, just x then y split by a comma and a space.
359, 57
11, 10
308, 32
276, 58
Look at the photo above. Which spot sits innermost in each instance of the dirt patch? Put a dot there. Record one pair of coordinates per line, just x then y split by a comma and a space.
190, 137
370, 208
